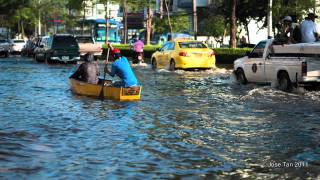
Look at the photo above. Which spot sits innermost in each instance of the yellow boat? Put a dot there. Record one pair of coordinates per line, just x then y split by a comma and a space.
109, 92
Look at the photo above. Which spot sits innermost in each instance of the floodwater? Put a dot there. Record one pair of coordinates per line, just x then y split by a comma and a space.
191, 125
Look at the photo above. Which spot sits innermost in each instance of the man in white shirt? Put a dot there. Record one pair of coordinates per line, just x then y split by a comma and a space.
309, 29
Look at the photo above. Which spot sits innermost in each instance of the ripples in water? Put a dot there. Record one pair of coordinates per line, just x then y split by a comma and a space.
187, 125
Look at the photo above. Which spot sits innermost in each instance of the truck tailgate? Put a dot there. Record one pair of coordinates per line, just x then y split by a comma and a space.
88, 47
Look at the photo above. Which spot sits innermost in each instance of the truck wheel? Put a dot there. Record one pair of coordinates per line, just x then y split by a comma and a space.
154, 64
172, 66
36, 58
284, 82
241, 78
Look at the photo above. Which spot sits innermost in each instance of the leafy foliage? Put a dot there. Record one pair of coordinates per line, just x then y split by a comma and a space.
213, 26
179, 24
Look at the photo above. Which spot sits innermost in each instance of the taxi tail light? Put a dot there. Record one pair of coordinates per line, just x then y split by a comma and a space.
183, 54
304, 68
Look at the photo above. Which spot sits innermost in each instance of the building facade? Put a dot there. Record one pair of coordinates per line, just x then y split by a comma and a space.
96, 10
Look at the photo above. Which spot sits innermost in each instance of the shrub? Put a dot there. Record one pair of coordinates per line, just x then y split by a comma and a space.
228, 55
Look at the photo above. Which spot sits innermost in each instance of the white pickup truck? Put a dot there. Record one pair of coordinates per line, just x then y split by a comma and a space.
287, 65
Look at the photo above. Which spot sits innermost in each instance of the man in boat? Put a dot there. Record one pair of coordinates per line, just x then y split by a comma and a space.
87, 71
121, 68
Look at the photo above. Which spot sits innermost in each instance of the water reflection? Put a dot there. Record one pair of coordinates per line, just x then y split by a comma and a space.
187, 124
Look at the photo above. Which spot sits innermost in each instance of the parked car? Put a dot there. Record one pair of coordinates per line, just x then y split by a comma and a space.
87, 44
184, 54
28, 48
40, 48
4, 47
286, 65
17, 45
58, 48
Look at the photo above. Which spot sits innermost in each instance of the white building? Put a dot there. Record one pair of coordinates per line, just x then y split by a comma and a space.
95, 10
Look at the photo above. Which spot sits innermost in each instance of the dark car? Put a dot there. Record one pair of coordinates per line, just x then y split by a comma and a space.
58, 48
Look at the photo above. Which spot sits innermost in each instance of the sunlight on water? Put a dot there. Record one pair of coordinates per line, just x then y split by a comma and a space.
141, 65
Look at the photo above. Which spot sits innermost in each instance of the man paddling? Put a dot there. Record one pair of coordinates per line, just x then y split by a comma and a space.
121, 68
87, 71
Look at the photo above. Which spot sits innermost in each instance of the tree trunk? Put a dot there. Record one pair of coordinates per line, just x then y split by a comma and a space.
22, 30
224, 35
161, 9
195, 19
125, 22
233, 25
248, 33
149, 24
169, 21
19, 27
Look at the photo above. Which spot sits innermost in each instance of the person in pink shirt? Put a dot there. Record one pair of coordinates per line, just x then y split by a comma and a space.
138, 51
138, 46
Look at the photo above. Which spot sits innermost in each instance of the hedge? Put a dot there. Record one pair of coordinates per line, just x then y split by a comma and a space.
223, 55
228, 55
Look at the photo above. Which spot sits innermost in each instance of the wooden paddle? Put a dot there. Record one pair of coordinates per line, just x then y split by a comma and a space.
101, 95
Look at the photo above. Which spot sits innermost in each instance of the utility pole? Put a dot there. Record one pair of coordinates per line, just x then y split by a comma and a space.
195, 19
107, 20
125, 22
270, 19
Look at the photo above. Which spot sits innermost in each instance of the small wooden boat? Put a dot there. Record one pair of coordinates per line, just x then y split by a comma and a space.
109, 92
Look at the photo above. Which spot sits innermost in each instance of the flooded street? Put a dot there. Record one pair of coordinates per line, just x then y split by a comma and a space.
187, 125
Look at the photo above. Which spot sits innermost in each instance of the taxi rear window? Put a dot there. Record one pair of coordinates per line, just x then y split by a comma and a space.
192, 45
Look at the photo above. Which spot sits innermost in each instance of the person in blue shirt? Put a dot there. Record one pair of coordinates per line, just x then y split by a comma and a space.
122, 68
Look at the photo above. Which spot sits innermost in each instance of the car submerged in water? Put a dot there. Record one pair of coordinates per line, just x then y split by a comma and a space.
183, 54
58, 48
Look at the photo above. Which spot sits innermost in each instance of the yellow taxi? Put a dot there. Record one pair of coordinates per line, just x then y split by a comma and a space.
183, 54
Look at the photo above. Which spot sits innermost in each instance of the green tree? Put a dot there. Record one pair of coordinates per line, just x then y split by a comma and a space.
214, 26
180, 23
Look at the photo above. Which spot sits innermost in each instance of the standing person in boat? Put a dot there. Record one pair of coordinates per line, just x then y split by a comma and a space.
121, 68
87, 71
309, 29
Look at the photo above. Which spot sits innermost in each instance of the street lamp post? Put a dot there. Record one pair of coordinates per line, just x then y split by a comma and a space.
39, 21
